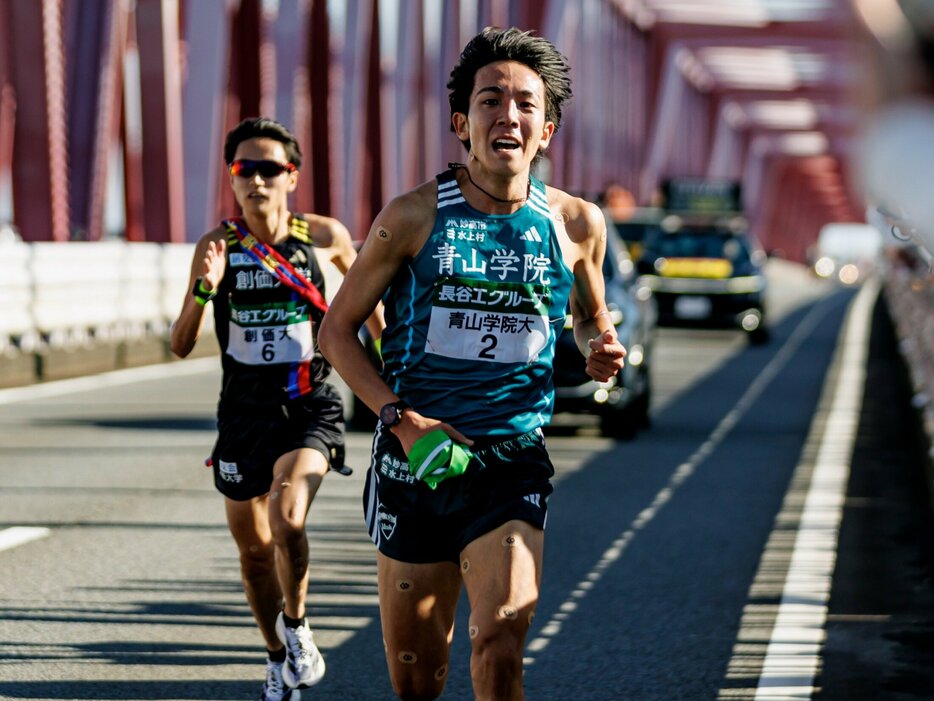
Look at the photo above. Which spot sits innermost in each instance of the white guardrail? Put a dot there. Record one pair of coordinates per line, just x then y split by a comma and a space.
61, 295
68, 295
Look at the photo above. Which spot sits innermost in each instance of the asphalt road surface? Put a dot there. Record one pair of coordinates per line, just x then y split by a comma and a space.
769, 537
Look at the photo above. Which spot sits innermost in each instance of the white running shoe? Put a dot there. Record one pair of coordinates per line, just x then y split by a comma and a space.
274, 689
304, 665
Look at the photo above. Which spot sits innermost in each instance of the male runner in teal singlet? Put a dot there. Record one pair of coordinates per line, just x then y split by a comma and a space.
476, 269
280, 425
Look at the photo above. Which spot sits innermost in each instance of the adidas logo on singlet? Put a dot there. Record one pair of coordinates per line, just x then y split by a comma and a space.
531, 235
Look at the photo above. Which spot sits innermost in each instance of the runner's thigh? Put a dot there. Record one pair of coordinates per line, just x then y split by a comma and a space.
502, 573
417, 606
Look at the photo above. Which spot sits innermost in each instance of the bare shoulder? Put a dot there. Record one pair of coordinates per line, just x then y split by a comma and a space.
326, 232
218, 233
582, 220
413, 209
407, 219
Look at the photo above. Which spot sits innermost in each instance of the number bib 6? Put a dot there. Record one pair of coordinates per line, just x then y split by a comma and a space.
500, 322
270, 333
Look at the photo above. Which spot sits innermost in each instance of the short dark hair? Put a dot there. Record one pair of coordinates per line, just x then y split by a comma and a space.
493, 44
262, 128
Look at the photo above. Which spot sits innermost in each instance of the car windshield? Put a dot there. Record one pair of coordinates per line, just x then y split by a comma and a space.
609, 269
634, 231
617, 264
702, 244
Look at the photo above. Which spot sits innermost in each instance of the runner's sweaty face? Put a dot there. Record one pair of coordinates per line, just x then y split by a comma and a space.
258, 195
506, 124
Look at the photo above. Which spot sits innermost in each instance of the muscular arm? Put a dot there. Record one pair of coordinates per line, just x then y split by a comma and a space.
333, 236
395, 237
209, 263
594, 332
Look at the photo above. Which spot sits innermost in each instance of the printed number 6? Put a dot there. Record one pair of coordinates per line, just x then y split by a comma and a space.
486, 351
269, 352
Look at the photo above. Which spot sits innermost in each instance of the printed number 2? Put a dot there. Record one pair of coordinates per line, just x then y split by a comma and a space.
486, 351
269, 352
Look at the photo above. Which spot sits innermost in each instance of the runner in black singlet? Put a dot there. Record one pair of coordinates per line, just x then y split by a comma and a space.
280, 426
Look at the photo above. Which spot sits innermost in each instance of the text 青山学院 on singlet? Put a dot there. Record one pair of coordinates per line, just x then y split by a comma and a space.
472, 319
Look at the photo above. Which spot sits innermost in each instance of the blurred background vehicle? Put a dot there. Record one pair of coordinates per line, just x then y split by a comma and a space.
623, 403
706, 271
635, 227
847, 253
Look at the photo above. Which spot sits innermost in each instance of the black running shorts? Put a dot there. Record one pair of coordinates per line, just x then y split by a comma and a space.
508, 479
251, 437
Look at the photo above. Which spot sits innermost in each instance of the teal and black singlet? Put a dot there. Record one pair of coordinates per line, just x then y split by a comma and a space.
472, 319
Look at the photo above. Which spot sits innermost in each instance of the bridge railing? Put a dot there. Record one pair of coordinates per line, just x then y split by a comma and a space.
910, 295
64, 296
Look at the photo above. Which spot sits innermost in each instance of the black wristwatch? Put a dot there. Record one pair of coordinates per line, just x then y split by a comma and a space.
391, 414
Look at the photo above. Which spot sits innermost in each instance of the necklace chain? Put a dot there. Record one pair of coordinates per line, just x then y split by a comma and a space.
528, 188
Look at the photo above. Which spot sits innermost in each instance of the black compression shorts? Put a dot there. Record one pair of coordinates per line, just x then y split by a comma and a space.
508, 479
251, 437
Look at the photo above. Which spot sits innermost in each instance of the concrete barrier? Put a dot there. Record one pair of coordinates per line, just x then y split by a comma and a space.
17, 326
72, 309
909, 291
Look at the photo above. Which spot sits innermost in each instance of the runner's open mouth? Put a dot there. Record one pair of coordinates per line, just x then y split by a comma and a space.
505, 145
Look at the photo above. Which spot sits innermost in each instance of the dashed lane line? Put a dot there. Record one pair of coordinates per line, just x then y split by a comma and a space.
553, 627
19, 535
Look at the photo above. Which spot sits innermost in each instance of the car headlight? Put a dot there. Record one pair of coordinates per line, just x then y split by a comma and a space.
848, 274
824, 267
748, 283
635, 355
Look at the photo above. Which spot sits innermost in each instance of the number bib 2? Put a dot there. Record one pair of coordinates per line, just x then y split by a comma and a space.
270, 333
500, 322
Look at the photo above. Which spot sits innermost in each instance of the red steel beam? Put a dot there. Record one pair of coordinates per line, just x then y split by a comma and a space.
7, 104
40, 158
7, 109
208, 29
131, 137
319, 72
97, 32
160, 83
371, 195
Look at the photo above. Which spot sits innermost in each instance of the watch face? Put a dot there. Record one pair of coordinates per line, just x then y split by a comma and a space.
389, 415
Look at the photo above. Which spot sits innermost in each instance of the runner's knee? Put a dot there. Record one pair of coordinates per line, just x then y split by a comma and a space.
287, 530
257, 559
501, 639
416, 677
287, 521
410, 687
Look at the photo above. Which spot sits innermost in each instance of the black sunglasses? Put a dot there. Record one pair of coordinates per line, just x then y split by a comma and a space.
267, 169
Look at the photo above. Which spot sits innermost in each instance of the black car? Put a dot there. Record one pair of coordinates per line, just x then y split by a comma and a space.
635, 227
622, 404
706, 273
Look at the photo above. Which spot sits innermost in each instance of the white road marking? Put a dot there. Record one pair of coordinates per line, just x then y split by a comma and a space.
793, 656
18, 535
681, 474
114, 378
